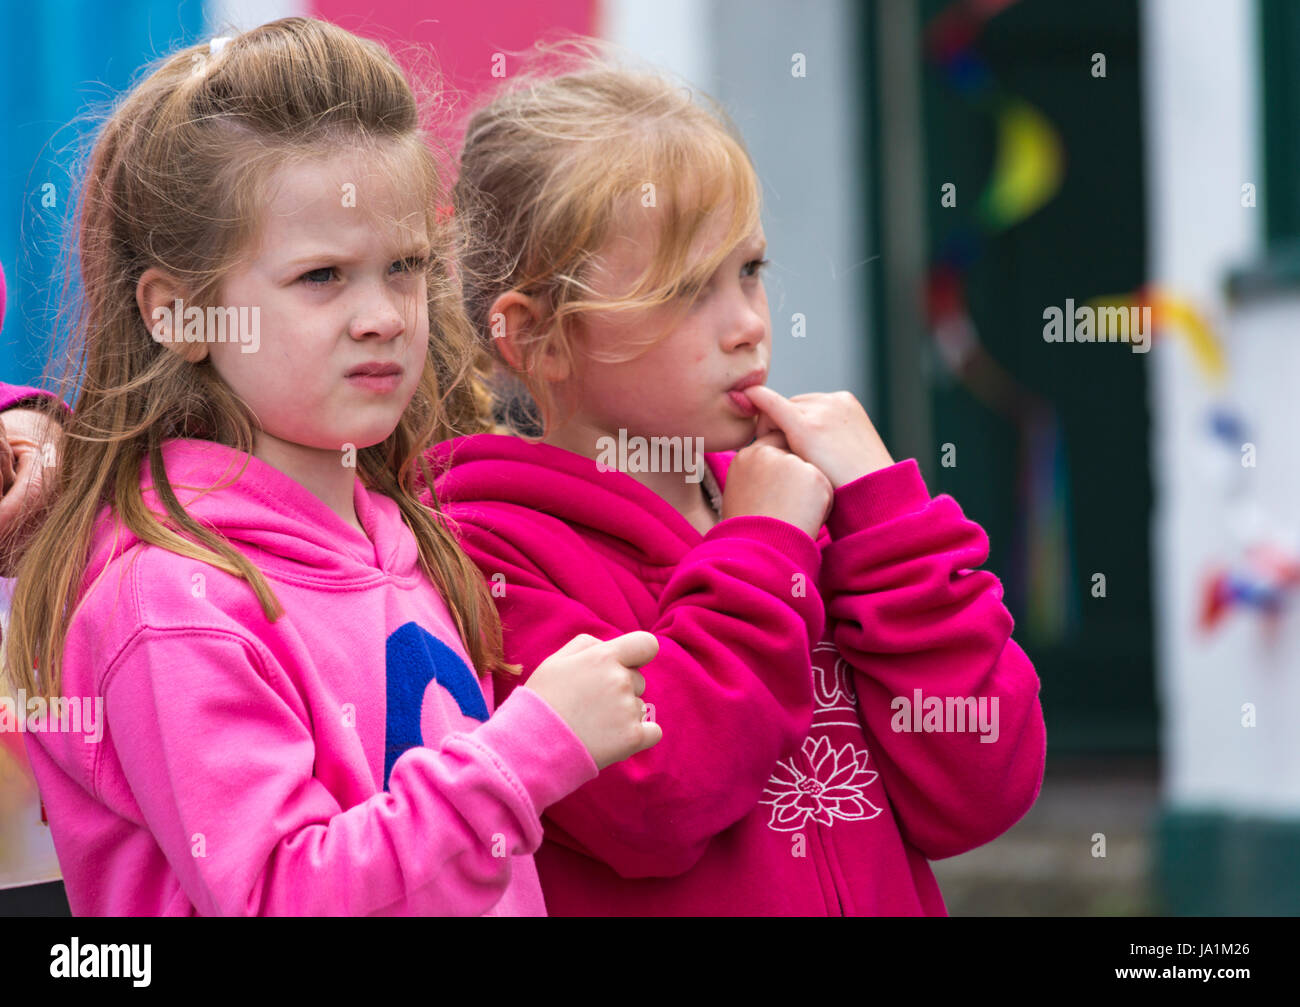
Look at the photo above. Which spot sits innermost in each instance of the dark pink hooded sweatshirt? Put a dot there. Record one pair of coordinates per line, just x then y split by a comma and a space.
820, 701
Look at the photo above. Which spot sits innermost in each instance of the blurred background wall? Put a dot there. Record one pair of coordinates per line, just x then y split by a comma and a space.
938, 178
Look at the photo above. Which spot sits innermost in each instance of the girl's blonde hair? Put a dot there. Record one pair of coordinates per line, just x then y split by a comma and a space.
176, 179
554, 166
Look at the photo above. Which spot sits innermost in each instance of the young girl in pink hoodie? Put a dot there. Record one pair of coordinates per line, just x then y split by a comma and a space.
251, 668
840, 697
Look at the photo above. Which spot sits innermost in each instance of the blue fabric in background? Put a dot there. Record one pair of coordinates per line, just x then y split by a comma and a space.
59, 60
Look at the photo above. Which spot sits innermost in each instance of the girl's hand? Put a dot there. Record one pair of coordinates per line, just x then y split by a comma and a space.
829, 430
593, 686
766, 479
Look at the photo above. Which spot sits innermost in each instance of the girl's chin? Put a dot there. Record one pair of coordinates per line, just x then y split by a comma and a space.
731, 436
719, 433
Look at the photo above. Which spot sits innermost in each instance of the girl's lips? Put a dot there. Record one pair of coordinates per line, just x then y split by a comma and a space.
376, 382
741, 401
737, 391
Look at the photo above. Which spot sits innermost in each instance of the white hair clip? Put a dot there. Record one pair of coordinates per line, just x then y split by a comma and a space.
217, 44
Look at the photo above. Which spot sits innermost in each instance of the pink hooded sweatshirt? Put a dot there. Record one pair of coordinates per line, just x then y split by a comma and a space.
803, 769
339, 761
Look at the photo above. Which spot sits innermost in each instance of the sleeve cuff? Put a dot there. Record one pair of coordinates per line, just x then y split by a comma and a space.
535, 743
781, 535
877, 497
15, 396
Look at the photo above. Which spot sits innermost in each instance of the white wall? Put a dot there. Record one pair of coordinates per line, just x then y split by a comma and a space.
241, 15
1201, 71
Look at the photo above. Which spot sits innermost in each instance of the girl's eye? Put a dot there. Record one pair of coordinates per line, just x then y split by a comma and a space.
749, 270
413, 265
328, 272
320, 277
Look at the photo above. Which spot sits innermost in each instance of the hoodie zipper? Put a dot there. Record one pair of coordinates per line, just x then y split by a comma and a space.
827, 859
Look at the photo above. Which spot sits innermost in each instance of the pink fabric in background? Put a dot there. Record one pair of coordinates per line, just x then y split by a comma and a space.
463, 39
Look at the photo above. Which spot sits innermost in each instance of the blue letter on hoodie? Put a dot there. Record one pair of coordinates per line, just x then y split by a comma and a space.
415, 657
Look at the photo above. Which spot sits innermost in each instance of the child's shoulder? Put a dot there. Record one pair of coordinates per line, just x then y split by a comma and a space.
497, 442
490, 461
133, 592
130, 582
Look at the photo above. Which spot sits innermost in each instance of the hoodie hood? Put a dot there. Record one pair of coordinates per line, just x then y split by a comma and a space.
504, 469
284, 528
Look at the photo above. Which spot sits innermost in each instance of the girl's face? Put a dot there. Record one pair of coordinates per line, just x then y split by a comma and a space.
335, 291
684, 384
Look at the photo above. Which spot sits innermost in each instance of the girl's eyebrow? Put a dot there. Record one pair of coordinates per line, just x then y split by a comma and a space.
423, 249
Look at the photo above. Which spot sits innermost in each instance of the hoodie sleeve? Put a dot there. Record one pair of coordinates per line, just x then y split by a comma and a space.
221, 764
19, 396
909, 611
731, 685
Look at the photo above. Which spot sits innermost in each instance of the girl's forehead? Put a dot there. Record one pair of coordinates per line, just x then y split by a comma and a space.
637, 235
347, 182
315, 200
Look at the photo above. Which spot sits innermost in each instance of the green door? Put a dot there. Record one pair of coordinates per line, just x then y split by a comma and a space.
1098, 690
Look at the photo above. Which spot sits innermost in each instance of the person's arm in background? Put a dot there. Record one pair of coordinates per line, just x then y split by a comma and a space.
29, 445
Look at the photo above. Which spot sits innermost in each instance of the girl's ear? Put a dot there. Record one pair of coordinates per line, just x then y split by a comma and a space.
512, 316
162, 303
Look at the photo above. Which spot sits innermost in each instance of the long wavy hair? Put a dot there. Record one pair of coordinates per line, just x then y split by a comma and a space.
176, 179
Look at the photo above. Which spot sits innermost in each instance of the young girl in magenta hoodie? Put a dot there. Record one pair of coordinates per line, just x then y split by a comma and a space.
840, 697
252, 669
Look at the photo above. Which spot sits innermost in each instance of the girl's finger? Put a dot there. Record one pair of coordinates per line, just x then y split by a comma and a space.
635, 649
576, 645
764, 426
776, 439
774, 405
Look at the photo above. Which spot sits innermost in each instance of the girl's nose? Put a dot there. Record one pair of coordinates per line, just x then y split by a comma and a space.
378, 318
747, 325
